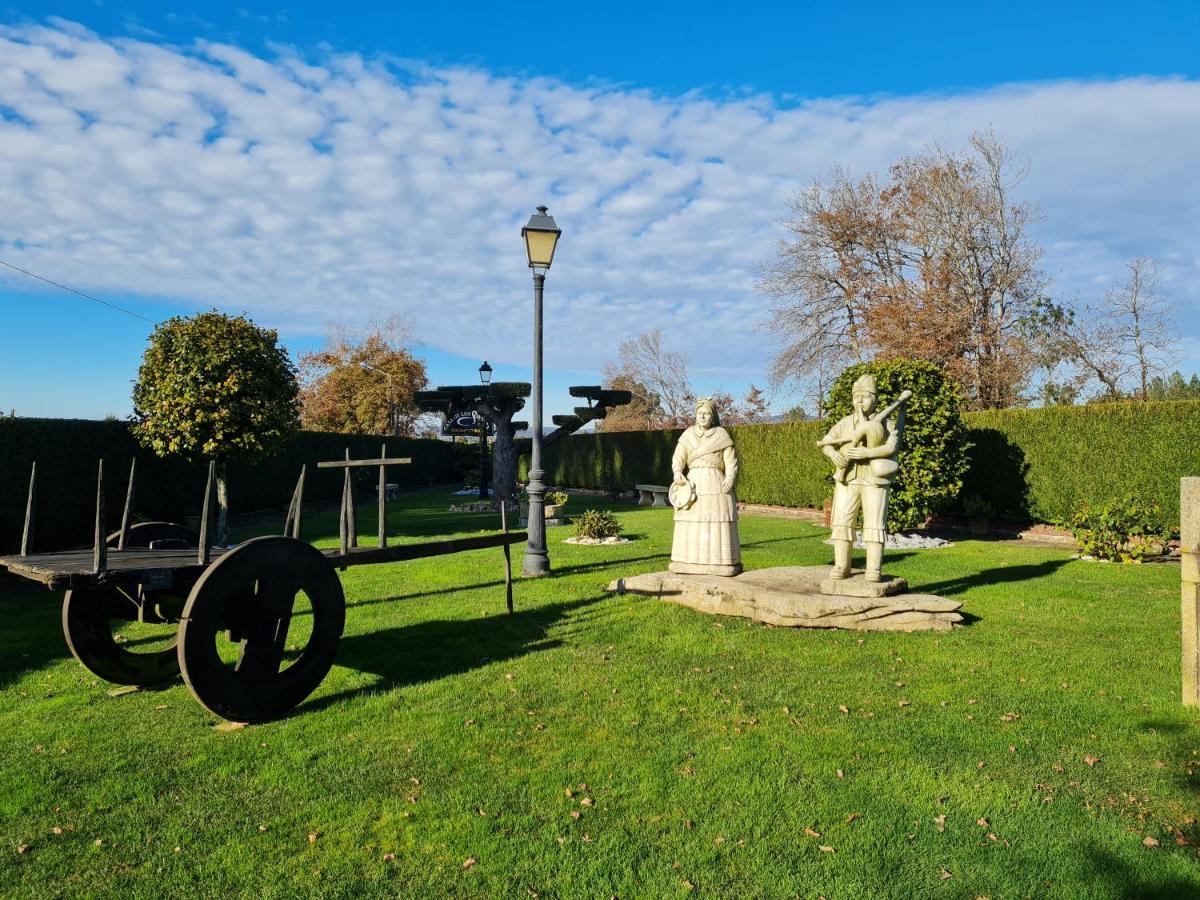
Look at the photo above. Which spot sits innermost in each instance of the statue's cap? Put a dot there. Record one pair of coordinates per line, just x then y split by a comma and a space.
864, 385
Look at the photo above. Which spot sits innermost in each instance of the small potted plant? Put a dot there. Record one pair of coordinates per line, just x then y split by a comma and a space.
552, 503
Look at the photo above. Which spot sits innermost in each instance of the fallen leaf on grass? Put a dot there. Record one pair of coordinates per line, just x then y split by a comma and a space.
98, 842
841, 774
1010, 717
468, 862
389, 857
850, 817
1058, 768
1149, 842
843, 709
575, 814
899, 684
825, 849
1091, 760
688, 886
940, 821
811, 832
981, 764
972, 702
982, 822
161, 706
312, 836
1159, 764
56, 830
586, 801
904, 703
23, 849
229, 726
946, 875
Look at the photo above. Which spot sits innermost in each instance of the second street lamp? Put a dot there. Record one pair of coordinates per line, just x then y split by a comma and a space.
485, 376
541, 235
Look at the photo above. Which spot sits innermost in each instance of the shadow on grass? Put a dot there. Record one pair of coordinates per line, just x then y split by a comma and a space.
998, 575
1126, 881
31, 636
427, 651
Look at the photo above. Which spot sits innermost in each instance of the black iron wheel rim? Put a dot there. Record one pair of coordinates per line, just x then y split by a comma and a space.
236, 592
88, 615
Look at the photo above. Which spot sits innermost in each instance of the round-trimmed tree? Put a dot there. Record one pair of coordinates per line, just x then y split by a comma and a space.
215, 387
933, 447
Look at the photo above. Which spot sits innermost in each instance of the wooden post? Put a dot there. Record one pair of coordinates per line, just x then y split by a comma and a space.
1189, 546
100, 546
203, 552
343, 515
382, 499
127, 513
351, 521
30, 510
299, 503
507, 555
291, 523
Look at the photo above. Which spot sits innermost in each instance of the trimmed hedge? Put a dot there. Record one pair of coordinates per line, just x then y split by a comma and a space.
1045, 463
66, 451
1026, 464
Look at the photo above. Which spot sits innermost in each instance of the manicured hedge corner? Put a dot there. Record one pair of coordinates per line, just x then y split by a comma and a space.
67, 450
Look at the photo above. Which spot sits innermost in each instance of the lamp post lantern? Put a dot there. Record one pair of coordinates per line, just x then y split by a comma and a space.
541, 235
485, 376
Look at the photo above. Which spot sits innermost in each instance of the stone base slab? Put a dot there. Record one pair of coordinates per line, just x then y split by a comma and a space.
856, 585
682, 568
791, 596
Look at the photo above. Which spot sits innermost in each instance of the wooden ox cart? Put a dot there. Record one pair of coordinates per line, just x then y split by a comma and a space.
234, 606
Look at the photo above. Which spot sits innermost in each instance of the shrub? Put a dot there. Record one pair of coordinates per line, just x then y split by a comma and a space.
933, 448
1129, 530
597, 524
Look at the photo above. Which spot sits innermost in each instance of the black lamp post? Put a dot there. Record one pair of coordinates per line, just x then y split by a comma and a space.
541, 235
485, 376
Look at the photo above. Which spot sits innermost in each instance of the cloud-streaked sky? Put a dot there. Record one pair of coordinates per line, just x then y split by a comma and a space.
307, 187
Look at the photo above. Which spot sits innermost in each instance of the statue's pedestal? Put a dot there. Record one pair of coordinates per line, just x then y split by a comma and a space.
856, 585
791, 596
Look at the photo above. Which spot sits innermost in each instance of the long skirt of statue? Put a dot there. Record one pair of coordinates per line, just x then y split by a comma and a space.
706, 531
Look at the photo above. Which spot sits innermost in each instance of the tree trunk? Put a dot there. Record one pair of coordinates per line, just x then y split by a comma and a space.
222, 537
504, 463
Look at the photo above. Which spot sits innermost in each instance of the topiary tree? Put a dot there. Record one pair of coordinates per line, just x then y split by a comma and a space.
933, 448
215, 387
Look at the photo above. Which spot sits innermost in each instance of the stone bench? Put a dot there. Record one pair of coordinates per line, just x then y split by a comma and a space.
652, 494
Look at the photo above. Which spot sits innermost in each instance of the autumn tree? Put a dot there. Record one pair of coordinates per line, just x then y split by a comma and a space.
936, 264
215, 387
362, 384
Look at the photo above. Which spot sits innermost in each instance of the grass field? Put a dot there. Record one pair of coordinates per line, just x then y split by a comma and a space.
592, 745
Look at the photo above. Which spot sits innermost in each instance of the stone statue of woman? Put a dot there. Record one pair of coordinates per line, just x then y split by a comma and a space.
706, 529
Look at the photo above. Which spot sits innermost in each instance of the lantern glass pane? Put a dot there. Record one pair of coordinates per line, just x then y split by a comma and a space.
541, 247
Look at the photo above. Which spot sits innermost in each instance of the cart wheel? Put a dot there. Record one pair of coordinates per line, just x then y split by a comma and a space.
88, 615
261, 628
143, 533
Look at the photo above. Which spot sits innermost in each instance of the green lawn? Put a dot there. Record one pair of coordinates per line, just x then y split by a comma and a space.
593, 745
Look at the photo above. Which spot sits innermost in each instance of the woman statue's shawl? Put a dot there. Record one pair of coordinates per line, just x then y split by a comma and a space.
714, 440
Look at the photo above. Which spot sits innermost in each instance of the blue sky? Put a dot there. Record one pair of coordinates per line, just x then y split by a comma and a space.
314, 164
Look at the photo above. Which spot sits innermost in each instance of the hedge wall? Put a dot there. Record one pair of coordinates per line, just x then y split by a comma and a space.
66, 451
1029, 464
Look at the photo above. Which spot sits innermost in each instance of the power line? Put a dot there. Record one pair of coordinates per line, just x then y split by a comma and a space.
71, 290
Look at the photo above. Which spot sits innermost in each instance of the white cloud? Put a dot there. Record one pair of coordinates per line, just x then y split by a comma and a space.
306, 190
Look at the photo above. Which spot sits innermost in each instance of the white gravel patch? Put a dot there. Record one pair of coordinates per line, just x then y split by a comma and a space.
597, 541
908, 542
